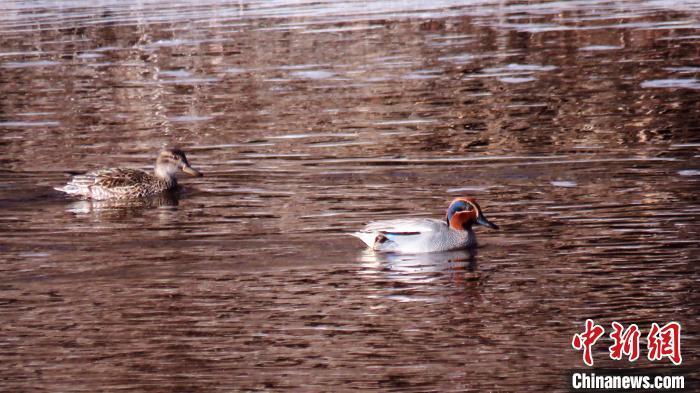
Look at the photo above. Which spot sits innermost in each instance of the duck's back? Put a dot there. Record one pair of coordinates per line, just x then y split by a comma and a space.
115, 183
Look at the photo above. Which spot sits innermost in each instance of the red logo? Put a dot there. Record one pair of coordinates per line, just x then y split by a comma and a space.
626, 343
662, 342
586, 340
665, 342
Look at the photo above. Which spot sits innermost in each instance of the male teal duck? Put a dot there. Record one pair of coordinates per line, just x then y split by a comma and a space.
125, 183
421, 235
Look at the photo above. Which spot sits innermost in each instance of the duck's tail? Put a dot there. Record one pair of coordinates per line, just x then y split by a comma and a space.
70, 189
367, 237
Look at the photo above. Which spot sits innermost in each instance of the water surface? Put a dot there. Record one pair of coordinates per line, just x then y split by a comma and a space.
575, 124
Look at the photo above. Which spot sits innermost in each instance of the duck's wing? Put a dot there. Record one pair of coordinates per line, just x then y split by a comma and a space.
96, 183
119, 177
407, 226
381, 231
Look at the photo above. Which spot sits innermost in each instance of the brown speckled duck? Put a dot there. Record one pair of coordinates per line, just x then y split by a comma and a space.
125, 183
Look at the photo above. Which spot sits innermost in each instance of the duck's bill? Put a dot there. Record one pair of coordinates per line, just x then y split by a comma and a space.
191, 171
481, 220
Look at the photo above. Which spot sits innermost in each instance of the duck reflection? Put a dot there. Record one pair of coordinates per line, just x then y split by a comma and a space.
458, 266
126, 208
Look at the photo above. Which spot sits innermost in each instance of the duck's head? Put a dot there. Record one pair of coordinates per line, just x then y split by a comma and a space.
463, 213
172, 161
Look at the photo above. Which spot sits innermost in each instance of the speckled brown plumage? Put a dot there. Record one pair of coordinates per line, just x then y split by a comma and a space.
124, 183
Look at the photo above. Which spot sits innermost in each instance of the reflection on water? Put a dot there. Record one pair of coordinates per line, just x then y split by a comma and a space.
573, 123
458, 268
123, 208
